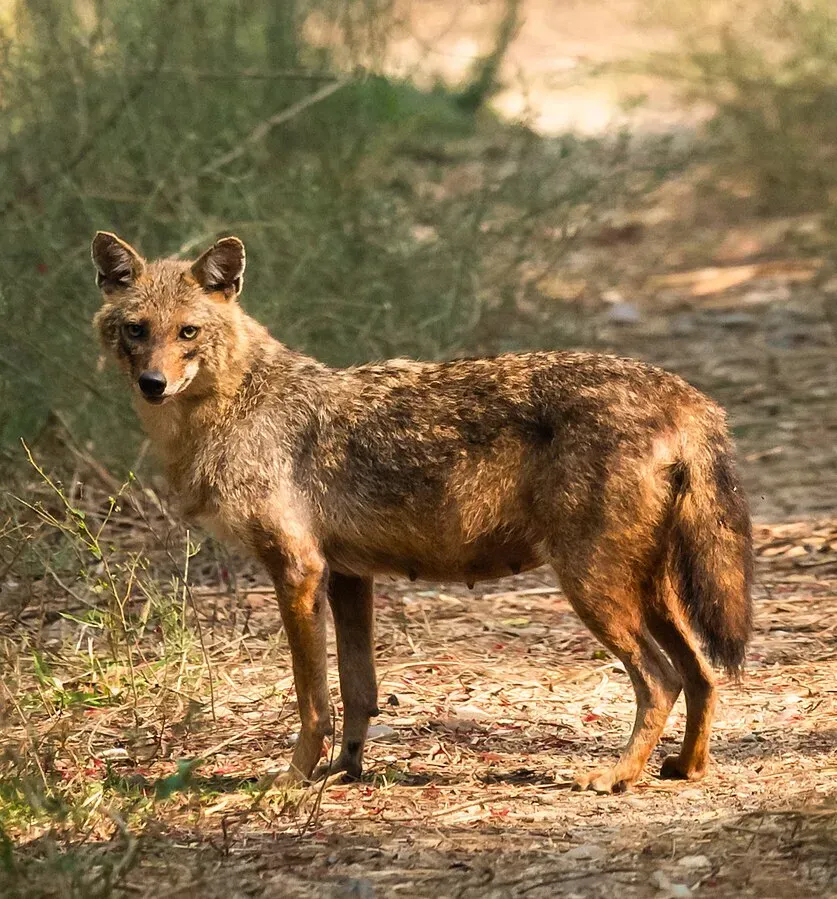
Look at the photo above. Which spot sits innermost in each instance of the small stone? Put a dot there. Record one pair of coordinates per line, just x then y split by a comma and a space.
587, 851
623, 313
116, 753
456, 725
670, 890
694, 861
382, 732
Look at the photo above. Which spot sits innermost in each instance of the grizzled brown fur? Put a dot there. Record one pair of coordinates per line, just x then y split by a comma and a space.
617, 474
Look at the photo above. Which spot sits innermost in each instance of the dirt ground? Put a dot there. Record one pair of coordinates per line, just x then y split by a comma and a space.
491, 700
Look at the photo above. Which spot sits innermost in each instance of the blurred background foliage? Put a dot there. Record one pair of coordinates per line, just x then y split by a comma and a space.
768, 70
381, 217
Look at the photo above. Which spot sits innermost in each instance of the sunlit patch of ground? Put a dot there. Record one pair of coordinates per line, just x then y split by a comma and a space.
566, 70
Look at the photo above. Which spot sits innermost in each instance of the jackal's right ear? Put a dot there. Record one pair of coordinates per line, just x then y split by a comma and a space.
117, 263
221, 268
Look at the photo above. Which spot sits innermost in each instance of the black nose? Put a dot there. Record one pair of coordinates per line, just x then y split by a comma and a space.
152, 383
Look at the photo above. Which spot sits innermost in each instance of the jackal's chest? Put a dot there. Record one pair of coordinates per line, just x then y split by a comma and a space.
218, 527
199, 503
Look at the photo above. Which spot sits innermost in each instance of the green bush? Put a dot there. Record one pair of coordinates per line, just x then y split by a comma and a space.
769, 69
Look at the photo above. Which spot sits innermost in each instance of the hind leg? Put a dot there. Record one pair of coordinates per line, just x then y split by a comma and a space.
614, 615
673, 634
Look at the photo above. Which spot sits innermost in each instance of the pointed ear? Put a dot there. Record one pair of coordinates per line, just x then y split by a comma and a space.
221, 268
117, 263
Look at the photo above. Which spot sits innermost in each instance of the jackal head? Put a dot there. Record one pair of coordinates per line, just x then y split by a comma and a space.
170, 325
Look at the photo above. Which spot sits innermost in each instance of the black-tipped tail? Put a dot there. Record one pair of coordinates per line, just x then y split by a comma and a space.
712, 553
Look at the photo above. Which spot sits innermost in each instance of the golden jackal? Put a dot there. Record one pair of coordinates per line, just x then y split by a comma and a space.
617, 474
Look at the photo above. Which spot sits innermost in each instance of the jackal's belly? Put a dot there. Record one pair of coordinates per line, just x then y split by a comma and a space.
485, 558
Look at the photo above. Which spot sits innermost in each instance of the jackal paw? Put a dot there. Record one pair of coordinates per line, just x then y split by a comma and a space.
675, 768
288, 779
344, 765
603, 780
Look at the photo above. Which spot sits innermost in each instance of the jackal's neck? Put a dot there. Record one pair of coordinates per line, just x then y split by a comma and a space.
242, 348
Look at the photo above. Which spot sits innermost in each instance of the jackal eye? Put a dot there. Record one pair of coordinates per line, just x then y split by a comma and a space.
189, 332
134, 330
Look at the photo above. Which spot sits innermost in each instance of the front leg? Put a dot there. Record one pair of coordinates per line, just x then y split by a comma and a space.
296, 567
351, 601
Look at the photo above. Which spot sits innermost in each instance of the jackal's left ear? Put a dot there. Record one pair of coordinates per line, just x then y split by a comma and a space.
117, 263
221, 268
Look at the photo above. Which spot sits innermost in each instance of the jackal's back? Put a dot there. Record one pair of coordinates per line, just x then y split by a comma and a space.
440, 469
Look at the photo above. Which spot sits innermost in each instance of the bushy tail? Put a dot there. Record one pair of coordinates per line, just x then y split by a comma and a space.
711, 552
